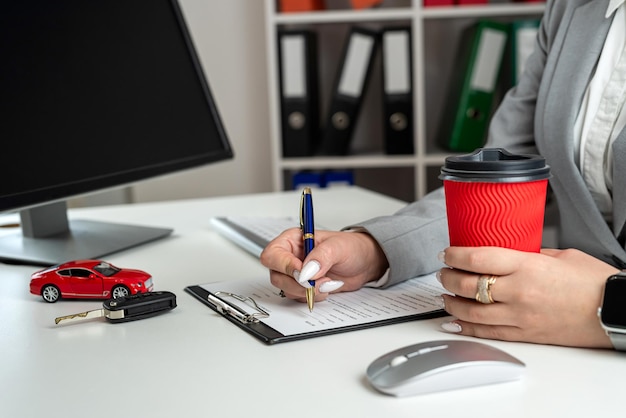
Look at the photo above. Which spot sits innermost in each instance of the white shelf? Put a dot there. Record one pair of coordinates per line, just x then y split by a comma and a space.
492, 10
403, 13
343, 16
428, 156
354, 161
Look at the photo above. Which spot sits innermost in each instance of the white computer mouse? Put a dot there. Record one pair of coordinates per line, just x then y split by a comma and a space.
441, 365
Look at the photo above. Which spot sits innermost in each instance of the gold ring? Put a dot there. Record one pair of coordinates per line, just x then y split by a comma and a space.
483, 293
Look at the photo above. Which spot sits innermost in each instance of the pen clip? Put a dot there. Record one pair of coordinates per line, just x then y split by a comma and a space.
236, 312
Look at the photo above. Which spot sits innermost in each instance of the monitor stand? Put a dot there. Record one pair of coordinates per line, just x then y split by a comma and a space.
49, 238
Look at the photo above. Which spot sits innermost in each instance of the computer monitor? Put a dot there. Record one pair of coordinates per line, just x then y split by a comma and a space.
95, 95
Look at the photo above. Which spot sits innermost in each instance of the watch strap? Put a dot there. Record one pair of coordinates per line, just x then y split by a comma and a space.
618, 340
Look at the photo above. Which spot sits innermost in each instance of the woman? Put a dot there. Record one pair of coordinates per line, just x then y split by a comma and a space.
568, 108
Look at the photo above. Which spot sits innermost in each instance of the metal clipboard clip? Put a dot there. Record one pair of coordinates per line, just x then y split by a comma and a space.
236, 312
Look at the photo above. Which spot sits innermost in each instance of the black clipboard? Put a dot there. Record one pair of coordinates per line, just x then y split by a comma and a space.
269, 335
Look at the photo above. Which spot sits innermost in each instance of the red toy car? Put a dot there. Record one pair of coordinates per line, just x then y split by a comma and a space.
89, 279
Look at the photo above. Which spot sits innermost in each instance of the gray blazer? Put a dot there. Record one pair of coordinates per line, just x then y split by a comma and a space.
537, 115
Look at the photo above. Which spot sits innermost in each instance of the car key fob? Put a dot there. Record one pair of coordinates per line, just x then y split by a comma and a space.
139, 306
128, 308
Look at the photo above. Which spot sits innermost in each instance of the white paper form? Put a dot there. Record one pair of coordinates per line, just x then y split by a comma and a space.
367, 305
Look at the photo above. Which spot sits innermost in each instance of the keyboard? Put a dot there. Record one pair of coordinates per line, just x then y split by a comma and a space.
252, 233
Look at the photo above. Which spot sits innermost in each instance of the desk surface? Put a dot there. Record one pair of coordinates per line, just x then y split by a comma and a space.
193, 363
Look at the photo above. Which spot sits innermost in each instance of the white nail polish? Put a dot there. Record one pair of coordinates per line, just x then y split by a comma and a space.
440, 302
305, 284
441, 256
438, 276
309, 270
452, 327
330, 286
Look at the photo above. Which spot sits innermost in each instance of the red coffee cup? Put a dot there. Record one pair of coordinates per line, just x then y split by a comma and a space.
495, 198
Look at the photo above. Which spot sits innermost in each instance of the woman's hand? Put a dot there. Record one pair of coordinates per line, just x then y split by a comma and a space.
340, 261
550, 297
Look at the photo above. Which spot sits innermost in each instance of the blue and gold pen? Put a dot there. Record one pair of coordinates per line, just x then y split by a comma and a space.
308, 238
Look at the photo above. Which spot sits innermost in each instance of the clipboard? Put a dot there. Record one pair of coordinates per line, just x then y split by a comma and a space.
256, 307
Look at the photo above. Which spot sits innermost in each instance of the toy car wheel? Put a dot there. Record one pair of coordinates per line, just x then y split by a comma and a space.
119, 291
50, 293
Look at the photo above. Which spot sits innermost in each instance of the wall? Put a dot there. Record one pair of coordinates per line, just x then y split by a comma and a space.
230, 38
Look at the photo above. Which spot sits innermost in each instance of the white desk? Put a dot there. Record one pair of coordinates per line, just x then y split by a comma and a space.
193, 363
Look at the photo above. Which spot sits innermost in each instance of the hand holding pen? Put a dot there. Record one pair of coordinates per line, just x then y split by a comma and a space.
332, 267
312, 267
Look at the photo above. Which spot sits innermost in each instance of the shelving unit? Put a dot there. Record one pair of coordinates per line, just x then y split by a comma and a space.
435, 32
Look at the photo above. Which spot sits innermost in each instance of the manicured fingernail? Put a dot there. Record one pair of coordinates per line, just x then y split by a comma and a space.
438, 276
440, 302
452, 327
330, 286
305, 284
441, 256
309, 270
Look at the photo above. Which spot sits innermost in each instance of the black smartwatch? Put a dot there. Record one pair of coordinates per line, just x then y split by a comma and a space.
612, 313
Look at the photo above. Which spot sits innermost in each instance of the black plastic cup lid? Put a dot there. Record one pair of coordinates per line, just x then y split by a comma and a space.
495, 165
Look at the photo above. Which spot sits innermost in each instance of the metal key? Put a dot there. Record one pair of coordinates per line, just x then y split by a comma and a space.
127, 308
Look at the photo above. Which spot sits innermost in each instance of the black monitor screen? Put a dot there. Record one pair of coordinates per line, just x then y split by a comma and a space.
97, 94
